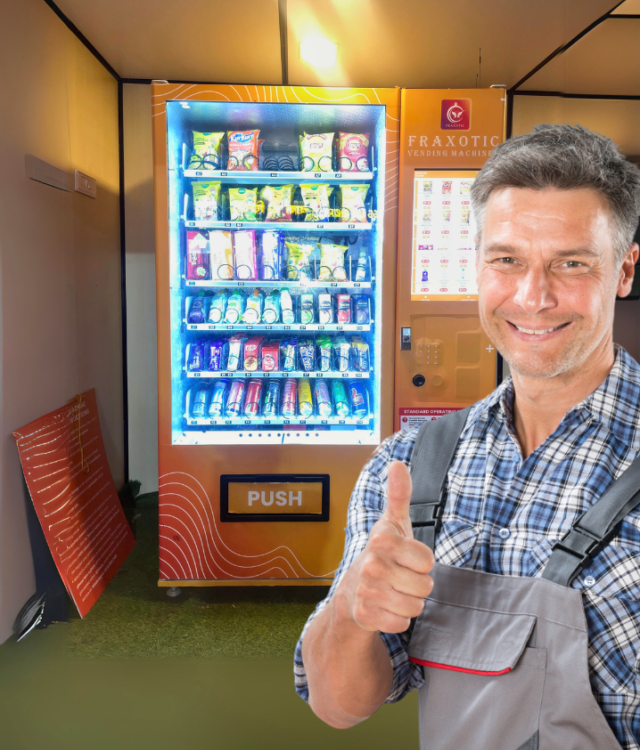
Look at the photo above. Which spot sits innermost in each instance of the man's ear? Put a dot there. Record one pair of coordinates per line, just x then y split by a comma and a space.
627, 270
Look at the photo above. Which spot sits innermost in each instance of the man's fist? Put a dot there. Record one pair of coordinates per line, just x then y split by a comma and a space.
385, 587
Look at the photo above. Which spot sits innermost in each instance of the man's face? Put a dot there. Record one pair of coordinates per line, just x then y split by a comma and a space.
547, 278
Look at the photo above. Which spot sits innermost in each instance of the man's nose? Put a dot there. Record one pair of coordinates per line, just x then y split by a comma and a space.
534, 292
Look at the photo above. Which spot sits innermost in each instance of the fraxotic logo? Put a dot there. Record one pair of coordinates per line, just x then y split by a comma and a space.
455, 114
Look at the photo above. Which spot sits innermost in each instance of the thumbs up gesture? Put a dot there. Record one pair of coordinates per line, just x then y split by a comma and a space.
386, 586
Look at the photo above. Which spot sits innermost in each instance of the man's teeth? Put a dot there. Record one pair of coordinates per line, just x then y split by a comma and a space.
536, 333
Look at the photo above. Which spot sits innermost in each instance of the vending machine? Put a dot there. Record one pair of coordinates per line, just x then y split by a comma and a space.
276, 226
444, 360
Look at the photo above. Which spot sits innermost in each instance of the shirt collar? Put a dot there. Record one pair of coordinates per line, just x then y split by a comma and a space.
615, 403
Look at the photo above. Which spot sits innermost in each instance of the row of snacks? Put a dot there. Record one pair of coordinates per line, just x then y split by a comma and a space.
246, 152
257, 397
278, 203
260, 353
269, 256
276, 307
445, 187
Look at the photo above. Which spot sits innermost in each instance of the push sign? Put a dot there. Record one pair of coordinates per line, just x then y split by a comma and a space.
274, 497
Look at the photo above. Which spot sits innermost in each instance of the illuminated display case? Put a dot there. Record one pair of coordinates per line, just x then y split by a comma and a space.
275, 283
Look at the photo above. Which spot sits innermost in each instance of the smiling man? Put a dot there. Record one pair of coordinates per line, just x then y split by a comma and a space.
515, 610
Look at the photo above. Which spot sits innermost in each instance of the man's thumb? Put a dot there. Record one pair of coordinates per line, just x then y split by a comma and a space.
399, 495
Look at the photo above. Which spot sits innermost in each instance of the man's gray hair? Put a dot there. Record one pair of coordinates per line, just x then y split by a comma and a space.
565, 157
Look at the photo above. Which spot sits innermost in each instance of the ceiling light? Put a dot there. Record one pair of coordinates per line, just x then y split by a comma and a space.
318, 52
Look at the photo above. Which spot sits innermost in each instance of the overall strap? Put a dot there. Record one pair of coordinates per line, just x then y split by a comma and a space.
594, 529
432, 454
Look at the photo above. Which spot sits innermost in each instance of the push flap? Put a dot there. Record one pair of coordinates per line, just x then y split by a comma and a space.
454, 637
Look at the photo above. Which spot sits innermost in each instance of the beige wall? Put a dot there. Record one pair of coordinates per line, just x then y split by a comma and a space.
60, 314
617, 119
141, 288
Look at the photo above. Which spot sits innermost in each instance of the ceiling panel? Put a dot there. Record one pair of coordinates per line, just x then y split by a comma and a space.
605, 61
410, 43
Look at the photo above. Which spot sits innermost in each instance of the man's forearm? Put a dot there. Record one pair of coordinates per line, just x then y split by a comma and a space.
348, 668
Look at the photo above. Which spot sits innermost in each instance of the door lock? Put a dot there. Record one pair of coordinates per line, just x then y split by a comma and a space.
418, 380
405, 339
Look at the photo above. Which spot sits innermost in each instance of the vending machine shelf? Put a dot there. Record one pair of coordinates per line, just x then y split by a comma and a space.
291, 374
292, 284
279, 178
291, 226
268, 421
328, 328
277, 435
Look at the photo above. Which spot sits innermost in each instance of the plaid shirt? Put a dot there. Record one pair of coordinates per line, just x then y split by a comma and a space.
489, 487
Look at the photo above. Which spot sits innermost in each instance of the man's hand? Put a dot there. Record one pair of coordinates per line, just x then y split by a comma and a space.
385, 587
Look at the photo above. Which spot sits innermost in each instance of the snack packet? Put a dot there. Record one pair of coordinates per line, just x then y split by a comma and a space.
305, 400
242, 204
196, 309
271, 356
198, 259
216, 356
235, 308
344, 308
360, 350
316, 201
206, 200
271, 260
306, 308
206, 151
271, 312
221, 252
277, 200
353, 207
252, 353
342, 351
307, 351
244, 246
234, 361
325, 309
465, 187
288, 354
218, 307
353, 149
324, 353
316, 152
298, 255
244, 150
195, 361
332, 262
362, 309
253, 311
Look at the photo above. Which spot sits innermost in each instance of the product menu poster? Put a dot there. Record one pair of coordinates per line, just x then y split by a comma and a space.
444, 251
66, 469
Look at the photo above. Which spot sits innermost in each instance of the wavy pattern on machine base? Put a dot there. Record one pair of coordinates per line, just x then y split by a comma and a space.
192, 547
289, 95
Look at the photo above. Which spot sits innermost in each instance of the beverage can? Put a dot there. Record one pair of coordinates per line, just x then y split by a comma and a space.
305, 400
359, 399
340, 402
323, 399
216, 405
271, 399
252, 400
235, 398
289, 397
198, 403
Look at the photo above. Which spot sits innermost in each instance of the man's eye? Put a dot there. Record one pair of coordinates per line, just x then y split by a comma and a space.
506, 261
573, 264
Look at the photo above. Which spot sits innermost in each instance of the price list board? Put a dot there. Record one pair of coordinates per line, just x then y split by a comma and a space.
443, 247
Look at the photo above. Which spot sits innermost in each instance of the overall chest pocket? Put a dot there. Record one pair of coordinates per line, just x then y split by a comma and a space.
483, 685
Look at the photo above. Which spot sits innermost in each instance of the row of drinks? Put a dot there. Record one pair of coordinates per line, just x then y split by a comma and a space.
258, 353
297, 203
278, 307
245, 254
271, 399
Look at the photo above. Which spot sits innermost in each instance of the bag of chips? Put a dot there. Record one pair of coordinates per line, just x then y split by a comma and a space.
244, 150
316, 152
316, 201
206, 200
242, 204
353, 150
198, 258
353, 206
332, 262
244, 246
221, 253
206, 151
277, 200
298, 260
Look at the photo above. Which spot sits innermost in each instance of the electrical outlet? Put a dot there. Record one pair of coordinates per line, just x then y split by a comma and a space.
86, 185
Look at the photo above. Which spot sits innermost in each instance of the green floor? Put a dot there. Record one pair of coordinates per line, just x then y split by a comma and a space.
210, 669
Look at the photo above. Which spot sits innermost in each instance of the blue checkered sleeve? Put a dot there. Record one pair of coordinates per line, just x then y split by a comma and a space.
366, 506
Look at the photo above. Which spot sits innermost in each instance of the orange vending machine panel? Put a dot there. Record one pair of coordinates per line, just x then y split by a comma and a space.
276, 228
444, 360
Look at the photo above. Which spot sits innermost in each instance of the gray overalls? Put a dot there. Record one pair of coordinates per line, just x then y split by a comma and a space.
505, 657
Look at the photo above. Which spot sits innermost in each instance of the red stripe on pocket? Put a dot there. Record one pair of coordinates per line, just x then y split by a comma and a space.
456, 669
